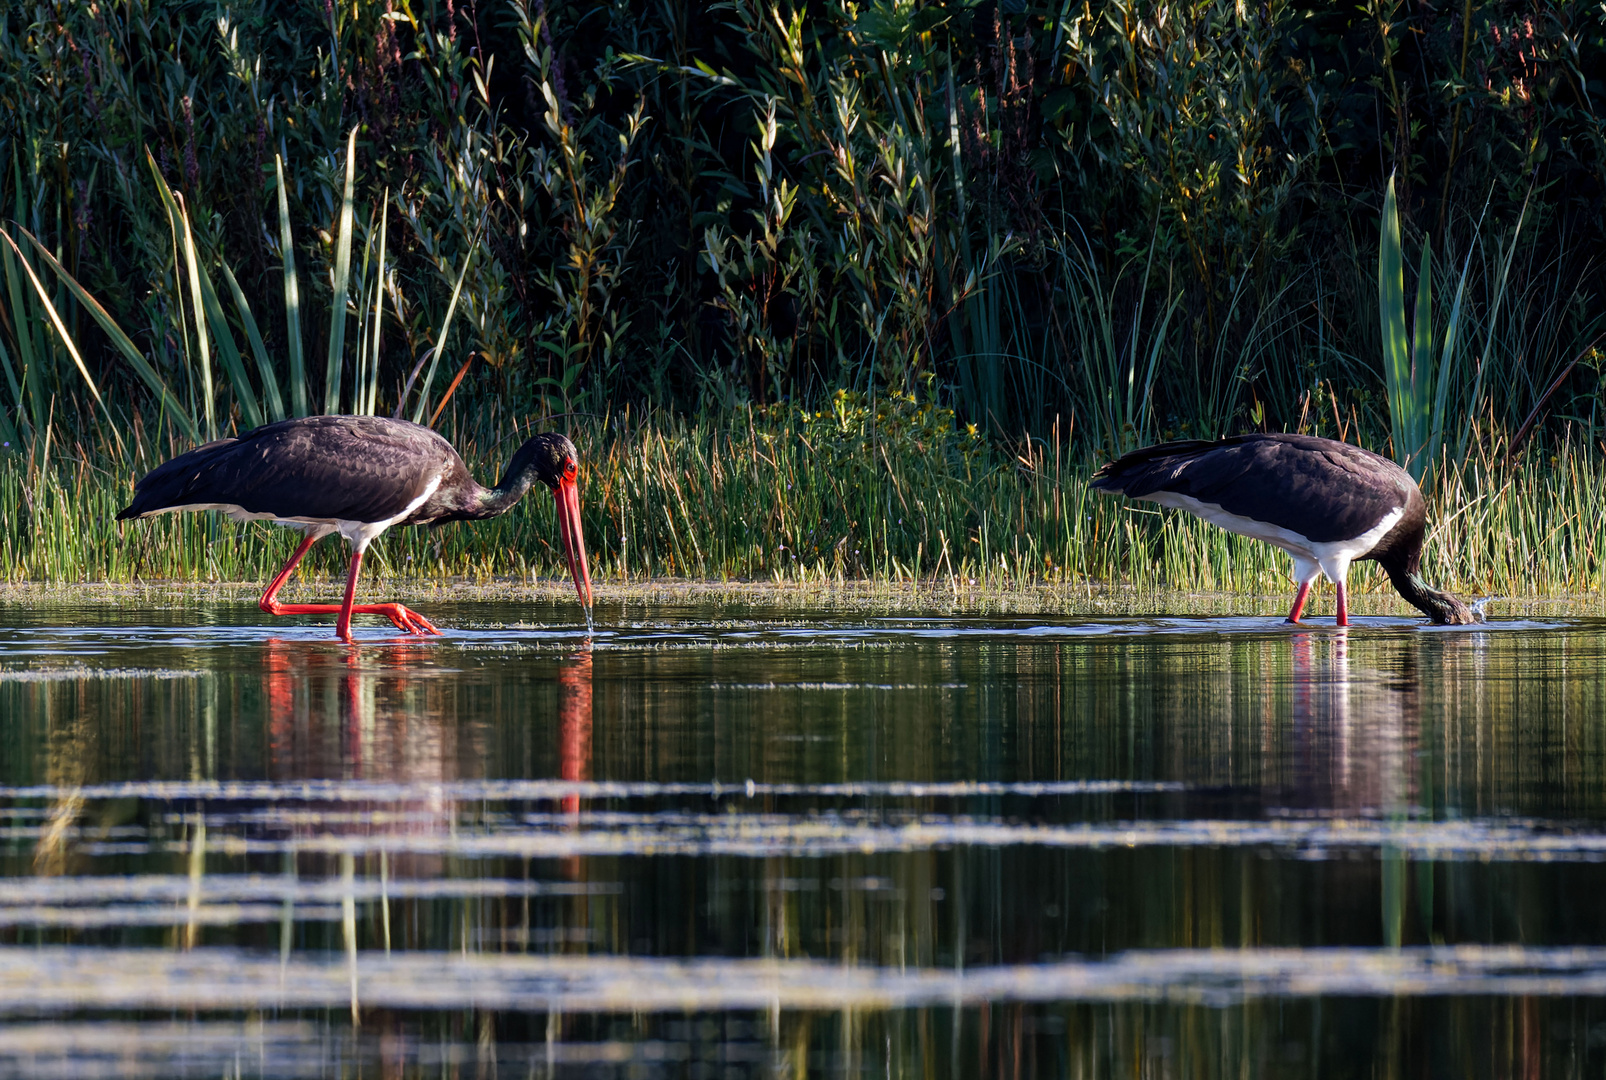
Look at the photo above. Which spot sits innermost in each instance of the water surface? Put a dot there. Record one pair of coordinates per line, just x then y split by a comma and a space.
725, 840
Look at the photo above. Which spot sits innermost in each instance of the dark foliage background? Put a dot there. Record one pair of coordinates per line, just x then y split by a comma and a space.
1132, 218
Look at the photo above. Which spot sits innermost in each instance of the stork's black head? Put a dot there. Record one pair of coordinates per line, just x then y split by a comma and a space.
1441, 608
552, 458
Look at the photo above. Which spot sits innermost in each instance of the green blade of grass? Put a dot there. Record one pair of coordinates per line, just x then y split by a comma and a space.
342, 280
228, 352
359, 374
191, 270
1420, 393
142, 367
202, 339
11, 376
370, 393
8, 432
270, 381
25, 339
292, 300
440, 340
1446, 368
66, 336
1391, 311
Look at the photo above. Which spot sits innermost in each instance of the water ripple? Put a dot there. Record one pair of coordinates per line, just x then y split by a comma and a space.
43, 980
358, 791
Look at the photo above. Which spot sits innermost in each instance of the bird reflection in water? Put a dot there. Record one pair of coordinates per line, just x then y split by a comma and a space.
1354, 731
574, 724
365, 716
376, 716
1321, 757
1356, 754
1357, 730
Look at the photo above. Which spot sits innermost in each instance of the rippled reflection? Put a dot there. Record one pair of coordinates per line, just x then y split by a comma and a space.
724, 843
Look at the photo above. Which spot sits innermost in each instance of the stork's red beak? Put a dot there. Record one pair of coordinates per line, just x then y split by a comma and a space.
574, 543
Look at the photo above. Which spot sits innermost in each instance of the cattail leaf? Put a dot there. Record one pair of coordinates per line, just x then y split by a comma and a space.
299, 399
270, 382
142, 367
1391, 311
341, 284
62, 331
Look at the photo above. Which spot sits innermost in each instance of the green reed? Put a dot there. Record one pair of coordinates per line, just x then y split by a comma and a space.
889, 489
1157, 218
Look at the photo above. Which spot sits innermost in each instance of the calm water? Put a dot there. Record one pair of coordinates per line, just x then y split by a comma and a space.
732, 842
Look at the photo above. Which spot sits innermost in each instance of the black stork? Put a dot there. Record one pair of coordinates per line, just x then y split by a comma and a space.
358, 476
1326, 503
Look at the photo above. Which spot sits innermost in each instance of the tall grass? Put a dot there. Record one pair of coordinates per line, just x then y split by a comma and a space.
892, 492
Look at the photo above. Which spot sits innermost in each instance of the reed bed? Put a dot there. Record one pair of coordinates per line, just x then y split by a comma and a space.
890, 491
1164, 219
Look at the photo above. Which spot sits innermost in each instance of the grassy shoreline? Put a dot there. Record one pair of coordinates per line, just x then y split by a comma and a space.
901, 496
617, 599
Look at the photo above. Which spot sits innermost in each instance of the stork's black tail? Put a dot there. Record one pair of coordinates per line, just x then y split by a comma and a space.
174, 483
1150, 469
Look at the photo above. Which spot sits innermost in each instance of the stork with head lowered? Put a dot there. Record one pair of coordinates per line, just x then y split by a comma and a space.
1326, 503
358, 476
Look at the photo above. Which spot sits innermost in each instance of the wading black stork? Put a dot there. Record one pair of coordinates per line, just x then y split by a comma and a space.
1326, 503
358, 476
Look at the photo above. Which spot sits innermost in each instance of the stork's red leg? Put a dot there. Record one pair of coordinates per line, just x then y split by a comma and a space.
268, 603
1343, 607
1299, 602
401, 617
343, 624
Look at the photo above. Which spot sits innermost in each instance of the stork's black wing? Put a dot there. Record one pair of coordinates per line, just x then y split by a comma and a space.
345, 468
1321, 489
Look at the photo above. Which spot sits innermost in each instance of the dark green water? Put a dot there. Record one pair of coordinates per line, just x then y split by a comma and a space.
724, 842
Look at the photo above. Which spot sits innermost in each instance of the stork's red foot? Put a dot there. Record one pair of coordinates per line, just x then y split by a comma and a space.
404, 618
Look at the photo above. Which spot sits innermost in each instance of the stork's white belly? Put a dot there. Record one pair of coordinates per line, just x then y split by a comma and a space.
358, 533
1331, 558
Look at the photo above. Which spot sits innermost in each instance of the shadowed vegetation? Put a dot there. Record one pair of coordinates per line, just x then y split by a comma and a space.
821, 289
824, 496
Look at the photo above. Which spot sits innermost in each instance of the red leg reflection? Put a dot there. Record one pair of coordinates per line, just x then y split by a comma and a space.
574, 724
281, 699
356, 715
1305, 728
574, 738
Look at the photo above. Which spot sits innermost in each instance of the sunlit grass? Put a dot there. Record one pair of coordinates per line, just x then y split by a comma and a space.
898, 496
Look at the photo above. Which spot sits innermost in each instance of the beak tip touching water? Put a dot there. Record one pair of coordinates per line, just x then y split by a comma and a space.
574, 544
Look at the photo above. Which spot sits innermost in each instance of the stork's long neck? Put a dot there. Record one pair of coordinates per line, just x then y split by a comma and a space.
518, 478
1441, 608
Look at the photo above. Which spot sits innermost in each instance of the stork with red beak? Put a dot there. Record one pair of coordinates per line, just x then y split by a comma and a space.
358, 476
